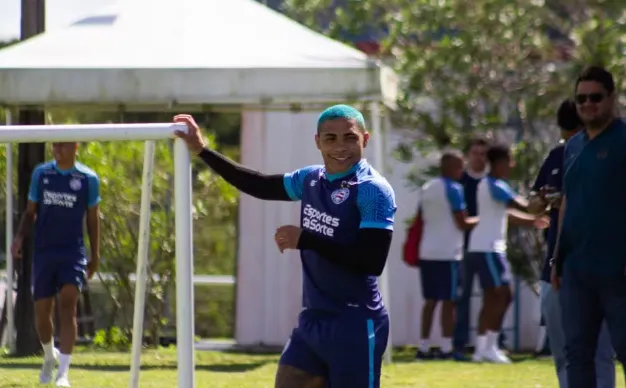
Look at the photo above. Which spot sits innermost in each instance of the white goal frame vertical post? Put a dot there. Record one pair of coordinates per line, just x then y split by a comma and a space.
182, 183
142, 261
10, 327
379, 162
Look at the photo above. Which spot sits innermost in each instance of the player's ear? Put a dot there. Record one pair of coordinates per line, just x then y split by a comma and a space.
317, 141
366, 138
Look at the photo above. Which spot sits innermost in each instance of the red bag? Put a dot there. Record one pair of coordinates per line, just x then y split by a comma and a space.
413, 240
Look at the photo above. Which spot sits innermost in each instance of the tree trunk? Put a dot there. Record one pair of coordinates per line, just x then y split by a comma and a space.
29, 156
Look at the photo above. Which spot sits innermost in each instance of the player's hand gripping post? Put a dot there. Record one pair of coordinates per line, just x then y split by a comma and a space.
193, 137
287, 237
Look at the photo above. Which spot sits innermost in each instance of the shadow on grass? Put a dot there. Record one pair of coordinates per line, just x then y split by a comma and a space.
403, 355
220, 368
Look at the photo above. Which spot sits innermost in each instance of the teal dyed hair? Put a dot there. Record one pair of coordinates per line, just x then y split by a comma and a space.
341, 112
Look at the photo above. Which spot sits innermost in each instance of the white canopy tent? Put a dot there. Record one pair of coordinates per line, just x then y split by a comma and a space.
190, 54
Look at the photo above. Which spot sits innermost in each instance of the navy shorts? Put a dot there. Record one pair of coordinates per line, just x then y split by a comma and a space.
51, 272
440, 279
492, 268
345, 349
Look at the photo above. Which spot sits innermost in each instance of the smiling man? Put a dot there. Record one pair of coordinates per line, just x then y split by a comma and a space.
590, 252
344, 237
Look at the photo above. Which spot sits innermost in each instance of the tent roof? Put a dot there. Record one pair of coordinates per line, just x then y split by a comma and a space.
188, 52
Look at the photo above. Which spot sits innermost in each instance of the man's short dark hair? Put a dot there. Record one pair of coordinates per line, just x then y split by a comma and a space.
497, 153
597, 74
450, 155
566, 117
476, 141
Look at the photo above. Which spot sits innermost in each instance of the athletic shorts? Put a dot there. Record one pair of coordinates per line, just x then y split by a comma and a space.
51, 273
345, 349
492, 268
440, 279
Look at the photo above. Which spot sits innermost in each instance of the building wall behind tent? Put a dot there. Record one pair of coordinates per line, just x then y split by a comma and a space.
269, 284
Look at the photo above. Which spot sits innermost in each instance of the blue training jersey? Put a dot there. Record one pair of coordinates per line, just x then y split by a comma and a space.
62, 198
336, 206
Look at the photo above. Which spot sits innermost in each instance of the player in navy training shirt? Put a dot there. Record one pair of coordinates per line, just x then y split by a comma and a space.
344, 237
62, 192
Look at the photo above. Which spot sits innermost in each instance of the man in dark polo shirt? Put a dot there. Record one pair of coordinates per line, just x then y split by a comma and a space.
590, 258
549, 181
475, 171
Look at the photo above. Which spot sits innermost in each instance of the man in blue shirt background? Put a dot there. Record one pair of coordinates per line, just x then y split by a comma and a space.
549, 180
590, 256
347, 218
62, 193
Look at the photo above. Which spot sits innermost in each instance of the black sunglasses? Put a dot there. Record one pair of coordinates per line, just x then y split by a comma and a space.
594, 98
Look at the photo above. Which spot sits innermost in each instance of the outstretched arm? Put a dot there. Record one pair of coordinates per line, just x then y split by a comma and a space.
518, 206
268, 187
368, 253
262, 186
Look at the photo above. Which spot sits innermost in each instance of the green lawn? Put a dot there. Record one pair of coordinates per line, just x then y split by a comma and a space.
214, 369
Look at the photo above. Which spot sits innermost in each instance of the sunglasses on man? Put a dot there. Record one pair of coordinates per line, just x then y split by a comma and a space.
594, 98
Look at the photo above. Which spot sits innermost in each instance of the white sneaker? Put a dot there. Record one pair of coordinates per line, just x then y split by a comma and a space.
62, 381
502, 356
477, 357
496, 356
47, 370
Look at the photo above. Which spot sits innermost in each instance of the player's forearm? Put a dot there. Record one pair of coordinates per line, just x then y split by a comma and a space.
536, 205
557, 254
26, 224
262, 186
367, 255
468, 223
518, 218
93, 230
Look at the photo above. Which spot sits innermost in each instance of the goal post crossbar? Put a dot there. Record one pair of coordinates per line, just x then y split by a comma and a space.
183, 222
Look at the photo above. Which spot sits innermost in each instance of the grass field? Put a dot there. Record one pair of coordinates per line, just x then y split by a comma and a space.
94, 369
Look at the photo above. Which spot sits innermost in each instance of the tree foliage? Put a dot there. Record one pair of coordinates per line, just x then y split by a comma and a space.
496, 67
120, 167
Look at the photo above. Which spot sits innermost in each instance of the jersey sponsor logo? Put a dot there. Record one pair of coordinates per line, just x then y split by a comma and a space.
53, 198
75, 184
340, 195
318, 221
555, 171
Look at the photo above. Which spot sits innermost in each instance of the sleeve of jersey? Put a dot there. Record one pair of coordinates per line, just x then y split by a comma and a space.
456, 198
33, 190
542, 177
94, 191
377, 204
501, 191
294, 182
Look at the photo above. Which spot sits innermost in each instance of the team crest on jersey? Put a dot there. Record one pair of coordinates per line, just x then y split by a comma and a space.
340, 195
75, 184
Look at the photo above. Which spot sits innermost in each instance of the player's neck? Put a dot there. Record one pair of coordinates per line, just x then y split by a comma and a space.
65, 166
595, 131
475, 173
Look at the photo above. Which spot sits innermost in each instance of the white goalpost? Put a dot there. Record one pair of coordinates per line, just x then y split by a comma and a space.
184, 242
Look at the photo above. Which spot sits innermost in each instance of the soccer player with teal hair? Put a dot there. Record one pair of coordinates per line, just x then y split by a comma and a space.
346, 227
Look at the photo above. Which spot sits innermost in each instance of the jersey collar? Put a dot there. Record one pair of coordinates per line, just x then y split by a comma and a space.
61, 171
352, 170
